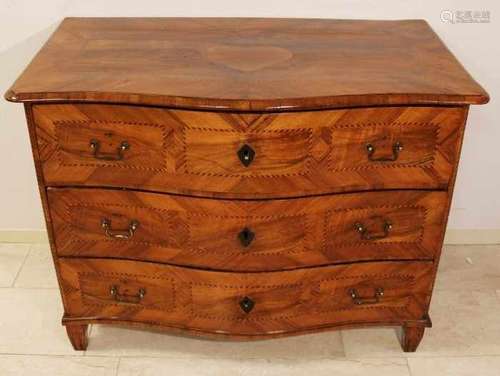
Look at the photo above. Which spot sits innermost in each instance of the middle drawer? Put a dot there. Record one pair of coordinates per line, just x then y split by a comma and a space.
247, 235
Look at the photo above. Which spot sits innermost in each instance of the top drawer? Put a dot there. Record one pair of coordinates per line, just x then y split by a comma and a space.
248, 155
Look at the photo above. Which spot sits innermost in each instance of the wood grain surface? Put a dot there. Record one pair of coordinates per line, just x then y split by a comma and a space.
295, 153
245, 178
246, 64
288, 234
289, 301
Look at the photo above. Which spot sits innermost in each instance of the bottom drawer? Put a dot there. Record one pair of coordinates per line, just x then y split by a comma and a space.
245, 304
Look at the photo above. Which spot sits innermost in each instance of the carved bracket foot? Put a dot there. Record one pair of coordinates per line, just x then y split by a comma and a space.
413, 333
78, 336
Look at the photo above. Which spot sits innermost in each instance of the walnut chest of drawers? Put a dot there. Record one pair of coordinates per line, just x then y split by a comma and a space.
246, 178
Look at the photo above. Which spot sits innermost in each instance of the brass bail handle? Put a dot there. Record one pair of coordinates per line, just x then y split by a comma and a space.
115, 293
358, 300
95, 146
366, 235
119, 234
397, 147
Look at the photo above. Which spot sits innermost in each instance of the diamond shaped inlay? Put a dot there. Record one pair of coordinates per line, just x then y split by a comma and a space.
246, 155
247, 304
246, 236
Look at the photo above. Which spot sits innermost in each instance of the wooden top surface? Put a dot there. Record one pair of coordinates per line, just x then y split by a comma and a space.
246, 64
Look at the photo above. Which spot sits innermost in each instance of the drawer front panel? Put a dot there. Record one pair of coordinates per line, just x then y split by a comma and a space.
248, 155
101, 289
373, 146
247, 235
276, 153
111, 145
246, 303
390, 223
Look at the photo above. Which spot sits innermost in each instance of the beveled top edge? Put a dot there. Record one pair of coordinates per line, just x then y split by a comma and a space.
238, 105
344, 95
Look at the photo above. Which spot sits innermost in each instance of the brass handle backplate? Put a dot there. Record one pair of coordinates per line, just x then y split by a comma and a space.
119, 234
95, 145
397, 147
365, 235
124, 298
358, 300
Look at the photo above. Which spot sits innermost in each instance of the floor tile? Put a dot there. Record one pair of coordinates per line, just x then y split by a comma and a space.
12, 257
29, 365
109, 340
38, 270
229, 367
30, 322
464, 323
456, 366
372, 342
471, 267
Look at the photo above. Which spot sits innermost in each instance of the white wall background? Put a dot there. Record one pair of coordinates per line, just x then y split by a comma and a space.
25, 25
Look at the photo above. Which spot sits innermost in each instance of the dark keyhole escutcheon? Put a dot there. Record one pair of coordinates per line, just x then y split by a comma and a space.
247, 304
246, 155
246, 237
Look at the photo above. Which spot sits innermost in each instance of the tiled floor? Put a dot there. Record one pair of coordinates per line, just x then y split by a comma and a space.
465, 339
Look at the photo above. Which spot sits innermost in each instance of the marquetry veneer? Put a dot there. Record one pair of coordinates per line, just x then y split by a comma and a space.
195, 152
246, 178
285, 301
289, 233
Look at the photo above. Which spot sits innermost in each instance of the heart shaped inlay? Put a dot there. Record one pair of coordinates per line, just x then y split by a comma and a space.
247, 58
